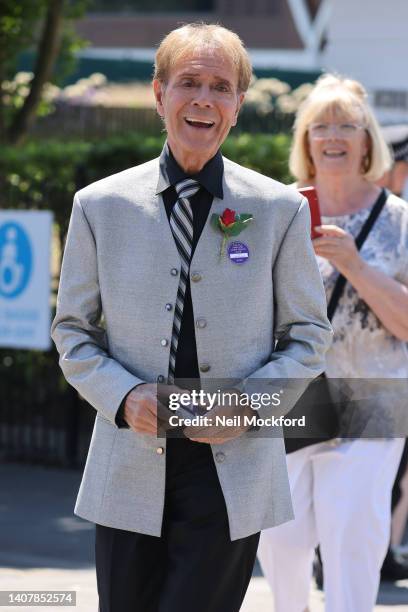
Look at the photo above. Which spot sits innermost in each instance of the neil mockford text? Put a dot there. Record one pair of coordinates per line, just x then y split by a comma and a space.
192, 401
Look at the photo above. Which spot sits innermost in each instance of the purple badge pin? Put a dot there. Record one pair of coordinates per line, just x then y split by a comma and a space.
238, 252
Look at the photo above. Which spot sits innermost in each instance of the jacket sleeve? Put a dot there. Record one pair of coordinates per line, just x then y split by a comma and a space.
302, 331
77, 329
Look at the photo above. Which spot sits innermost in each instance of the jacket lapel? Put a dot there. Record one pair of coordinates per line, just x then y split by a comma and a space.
209, 244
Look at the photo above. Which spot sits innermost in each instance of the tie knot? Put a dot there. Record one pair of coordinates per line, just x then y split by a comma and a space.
187, 188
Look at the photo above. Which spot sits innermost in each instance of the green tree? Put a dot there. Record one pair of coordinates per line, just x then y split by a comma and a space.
45, 26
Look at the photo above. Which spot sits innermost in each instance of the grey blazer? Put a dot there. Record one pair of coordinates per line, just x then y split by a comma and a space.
266, 318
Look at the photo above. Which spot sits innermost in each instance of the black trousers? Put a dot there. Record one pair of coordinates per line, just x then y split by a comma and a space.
193, 565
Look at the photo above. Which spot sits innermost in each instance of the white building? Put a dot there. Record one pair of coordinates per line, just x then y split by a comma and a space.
368, 40
365, 39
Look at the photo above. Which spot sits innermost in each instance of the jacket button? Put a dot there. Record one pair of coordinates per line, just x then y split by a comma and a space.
169, 306
196, 277
204, 367
160, 378
164, 342
160, 450
174, 271
220, 457
201, 323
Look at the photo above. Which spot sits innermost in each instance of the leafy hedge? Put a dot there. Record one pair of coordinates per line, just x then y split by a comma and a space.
45, 174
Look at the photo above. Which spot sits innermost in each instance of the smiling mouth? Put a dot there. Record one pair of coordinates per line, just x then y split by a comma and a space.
334, 154
199, 123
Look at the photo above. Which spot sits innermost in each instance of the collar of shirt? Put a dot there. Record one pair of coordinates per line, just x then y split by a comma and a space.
210, 177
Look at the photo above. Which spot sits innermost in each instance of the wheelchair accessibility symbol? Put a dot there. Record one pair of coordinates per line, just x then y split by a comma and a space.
15, 260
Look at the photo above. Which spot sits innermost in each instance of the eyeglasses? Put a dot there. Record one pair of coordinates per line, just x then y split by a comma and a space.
343, 130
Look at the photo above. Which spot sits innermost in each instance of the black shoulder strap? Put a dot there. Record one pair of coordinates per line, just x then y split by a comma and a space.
365, 230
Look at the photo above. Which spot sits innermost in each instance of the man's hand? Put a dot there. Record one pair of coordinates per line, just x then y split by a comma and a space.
218, 434
145, 408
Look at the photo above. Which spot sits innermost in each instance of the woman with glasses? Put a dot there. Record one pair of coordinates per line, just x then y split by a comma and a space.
341, 489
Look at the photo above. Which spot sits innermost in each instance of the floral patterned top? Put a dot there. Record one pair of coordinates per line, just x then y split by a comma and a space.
362, 347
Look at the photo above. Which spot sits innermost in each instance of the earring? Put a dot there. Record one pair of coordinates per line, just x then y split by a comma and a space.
365, 163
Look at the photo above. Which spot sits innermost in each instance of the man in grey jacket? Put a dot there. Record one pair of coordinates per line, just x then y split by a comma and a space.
146, 298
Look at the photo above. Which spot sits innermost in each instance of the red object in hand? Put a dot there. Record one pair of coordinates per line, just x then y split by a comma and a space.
311, 194
228, 217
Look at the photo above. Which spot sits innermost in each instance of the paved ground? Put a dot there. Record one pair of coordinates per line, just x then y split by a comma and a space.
44, 546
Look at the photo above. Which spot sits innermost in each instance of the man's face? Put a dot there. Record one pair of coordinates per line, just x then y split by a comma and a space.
199, 103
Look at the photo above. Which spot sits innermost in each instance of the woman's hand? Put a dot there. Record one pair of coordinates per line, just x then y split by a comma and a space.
338, 247
385, 296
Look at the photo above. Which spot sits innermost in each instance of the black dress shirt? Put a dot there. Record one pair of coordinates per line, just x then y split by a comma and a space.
210, 179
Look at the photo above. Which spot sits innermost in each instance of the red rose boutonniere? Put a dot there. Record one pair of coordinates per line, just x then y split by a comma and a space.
230, 223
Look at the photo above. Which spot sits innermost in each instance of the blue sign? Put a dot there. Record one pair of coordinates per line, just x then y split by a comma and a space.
15, 260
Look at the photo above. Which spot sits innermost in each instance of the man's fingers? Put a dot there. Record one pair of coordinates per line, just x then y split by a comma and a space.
162, 412
146, 415
211, 433
154, 407
211, 440
164, 391
200, 432
148, 411
142, 414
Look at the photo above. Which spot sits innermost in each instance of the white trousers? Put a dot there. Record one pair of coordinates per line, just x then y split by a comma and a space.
342, 500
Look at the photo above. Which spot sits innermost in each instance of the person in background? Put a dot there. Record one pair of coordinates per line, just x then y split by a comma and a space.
341, 489
395, 567
396, 178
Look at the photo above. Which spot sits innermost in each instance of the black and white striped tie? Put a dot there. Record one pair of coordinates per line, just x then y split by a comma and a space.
181, 223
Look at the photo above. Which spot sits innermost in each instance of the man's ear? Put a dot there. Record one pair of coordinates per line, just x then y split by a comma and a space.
241, 98
158, 90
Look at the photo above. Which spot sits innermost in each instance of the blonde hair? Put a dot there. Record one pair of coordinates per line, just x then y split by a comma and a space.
198, 36
338, 95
